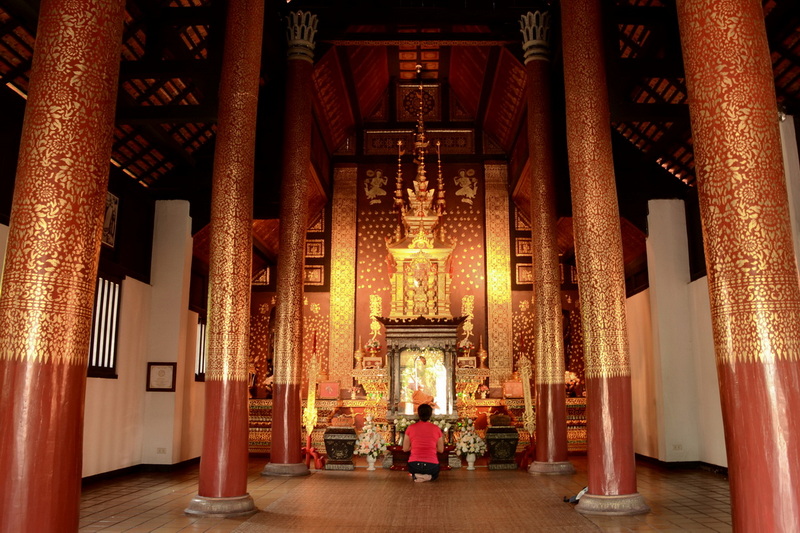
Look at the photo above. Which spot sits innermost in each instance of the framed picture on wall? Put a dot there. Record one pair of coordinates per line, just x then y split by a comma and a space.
161, 377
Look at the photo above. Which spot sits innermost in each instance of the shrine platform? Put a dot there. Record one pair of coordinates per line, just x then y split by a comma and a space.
260, 416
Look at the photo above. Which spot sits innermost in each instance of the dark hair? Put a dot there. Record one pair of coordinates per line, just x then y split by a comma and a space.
425, 411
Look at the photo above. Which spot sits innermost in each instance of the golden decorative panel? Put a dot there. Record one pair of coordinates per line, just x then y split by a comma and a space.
315, 248
598, 241
752, 278
498, 276
384, 142
231, 244
524, 273
523, 247
62, 177
343, 274
314, 275
408, 102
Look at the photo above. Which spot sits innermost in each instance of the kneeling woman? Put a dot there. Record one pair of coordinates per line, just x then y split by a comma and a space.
424, 439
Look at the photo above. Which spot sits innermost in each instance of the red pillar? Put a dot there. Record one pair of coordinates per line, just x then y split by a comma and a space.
285, 453
752, 276
223, 464
598, 253
51, 262
551, 409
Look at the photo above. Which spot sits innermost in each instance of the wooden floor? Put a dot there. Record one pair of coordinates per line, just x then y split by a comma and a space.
386, 501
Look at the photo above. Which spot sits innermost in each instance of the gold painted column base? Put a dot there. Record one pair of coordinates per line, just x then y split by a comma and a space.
622, 505
285, 469
551, 468
221, 507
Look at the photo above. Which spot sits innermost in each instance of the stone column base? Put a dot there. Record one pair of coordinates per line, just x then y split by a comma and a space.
623, 505
221, 507
285, 469
554, 468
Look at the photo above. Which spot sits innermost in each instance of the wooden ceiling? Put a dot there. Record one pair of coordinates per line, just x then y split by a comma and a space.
171, 59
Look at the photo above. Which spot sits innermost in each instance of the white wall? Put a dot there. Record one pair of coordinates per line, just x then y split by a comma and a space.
676, 405
114, 408
123, 424
709, 407
644, 390
170, 274
193, 398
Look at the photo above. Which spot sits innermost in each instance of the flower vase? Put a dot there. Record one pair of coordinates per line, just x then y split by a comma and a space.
471, 461
370, 462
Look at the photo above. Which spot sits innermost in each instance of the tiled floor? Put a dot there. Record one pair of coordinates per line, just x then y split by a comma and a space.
680, 500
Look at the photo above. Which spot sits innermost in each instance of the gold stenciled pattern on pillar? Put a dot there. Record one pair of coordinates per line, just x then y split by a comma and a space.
343, 273
498, 284
549, 348
598, 241
51, 258
294, 200
231, 247
752, 276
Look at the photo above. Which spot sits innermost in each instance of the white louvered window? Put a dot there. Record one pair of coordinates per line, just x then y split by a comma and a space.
200, 351
105, 321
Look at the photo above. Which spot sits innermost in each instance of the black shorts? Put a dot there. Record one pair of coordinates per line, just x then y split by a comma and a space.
418, 467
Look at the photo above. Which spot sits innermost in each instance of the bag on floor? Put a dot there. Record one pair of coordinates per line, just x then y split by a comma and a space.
577, 497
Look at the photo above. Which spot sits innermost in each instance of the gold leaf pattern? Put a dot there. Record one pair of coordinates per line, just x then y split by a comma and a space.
752, 278
232, 197
62, 178
498, 278
598, 241
549, 342
343, 274
294, 219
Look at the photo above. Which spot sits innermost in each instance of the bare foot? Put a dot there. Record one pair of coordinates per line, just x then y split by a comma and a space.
422, 478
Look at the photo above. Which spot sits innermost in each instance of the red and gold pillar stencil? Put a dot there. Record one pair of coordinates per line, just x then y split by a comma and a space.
51, 261
551, 409
598, 253
223, 463
285, 454
752, 277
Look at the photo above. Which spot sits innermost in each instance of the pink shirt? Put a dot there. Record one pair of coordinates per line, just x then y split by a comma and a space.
423, 437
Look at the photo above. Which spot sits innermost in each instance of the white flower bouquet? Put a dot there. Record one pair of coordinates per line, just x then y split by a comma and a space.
443, 425
401, 424
370, 442
470, 442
